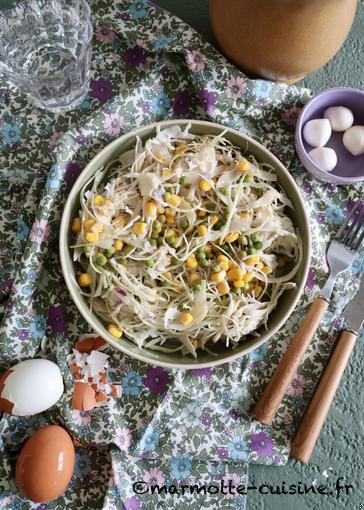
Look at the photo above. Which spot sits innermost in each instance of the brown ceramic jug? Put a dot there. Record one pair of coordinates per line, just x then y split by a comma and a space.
281, 40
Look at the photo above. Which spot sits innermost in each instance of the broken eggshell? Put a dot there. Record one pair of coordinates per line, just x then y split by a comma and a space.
30, 387
324, 158
340, 117
317, 132
353, 140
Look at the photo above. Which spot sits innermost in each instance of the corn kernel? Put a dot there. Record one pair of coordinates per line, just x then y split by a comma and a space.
181, 148
201, 214
191, 262
170, 212
239, 284
201, 230
267, 270
218, 277
118, 244
194, 277
230, 238
224, 266
159, 156
257, 291
139, 228
92, 237
214, 219
260, 265
114, 330
232, 264
208, 249
98, 227
170, 233
170, 220
87, 224
174, 200
151, 209
166, 172
205, 185
249, 276
235, 274
244, 214
99, 200
251, 261
76, 225
161, 209
223, 288
243, 165
186, 319
84, 280
222, 258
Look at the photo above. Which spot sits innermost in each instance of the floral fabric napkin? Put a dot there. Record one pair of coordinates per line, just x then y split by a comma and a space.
169, 427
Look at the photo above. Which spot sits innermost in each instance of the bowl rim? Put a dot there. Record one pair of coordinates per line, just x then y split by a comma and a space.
63, 248
305, 159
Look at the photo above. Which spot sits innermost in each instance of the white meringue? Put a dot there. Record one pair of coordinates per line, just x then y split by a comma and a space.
324, 158
317, 132
340, 117
353, 140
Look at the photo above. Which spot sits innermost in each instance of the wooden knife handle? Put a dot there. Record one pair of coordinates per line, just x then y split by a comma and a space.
275, 390
315, 415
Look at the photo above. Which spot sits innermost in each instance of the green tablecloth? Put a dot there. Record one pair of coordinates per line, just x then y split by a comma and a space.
170, 426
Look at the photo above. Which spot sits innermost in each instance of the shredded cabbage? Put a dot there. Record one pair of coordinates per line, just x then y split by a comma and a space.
147, 286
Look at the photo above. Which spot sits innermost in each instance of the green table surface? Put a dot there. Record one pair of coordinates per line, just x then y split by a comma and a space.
339, 452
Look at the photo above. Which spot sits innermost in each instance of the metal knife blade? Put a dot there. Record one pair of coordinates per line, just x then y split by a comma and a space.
354, 310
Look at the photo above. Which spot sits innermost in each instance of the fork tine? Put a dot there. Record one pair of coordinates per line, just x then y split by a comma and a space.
358, 222
347, 219
360, 240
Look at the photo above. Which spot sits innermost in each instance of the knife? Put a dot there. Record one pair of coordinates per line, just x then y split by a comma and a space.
315, 415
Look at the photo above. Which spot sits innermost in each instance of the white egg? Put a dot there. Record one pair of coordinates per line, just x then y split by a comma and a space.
30, 387
340, 117
324, 158
317, 132
353, 140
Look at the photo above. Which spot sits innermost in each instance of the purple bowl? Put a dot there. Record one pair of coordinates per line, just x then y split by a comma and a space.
349, 168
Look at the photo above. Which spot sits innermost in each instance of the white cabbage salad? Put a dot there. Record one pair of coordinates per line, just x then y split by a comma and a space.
183, 242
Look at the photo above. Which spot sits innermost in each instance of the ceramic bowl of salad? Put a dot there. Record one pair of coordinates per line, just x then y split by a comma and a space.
185, 244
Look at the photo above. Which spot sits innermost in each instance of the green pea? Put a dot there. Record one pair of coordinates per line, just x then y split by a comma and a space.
201, 249
251, 251
110, 252
97, 266
242, 240
204, 263
153, 242
248, 178
157, 226
210, 206
223, 190
166, 196
183, 224
236, 290
149, 263
87, 249
216, 269
225, 215
218, 225
254, 238
183, 180
246, 286
258, 245
196, 287
244, 253
159, 241
162, 218
101, 260
171, 240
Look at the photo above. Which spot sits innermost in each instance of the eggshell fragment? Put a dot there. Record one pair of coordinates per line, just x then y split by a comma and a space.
84, 397
45, 465
86, 345
317, 132
340, 117
324, 158
353, 140
30, 387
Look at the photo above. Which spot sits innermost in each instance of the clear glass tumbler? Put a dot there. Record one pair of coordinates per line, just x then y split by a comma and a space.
45, 50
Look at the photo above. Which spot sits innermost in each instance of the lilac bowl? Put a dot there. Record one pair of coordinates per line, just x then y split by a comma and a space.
349, 168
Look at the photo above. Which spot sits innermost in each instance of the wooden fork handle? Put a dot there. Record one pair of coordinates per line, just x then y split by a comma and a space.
315, 415
275, 390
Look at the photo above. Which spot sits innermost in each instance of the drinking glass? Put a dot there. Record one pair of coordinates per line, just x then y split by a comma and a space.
45, 50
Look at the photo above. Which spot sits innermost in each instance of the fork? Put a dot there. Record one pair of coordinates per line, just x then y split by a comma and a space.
340, 255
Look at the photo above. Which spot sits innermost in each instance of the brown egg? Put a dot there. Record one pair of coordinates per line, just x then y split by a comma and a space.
45, 465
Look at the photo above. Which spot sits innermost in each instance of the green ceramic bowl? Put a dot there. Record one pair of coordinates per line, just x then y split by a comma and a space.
287, 301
